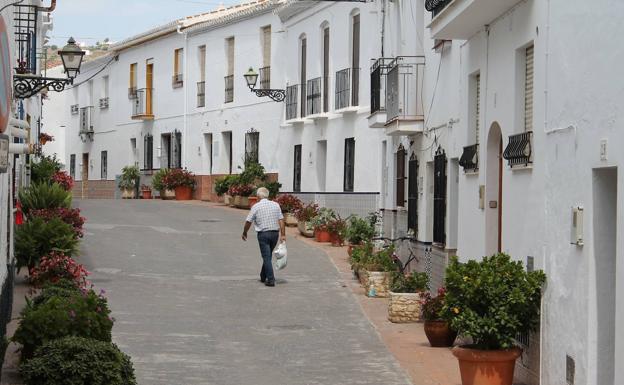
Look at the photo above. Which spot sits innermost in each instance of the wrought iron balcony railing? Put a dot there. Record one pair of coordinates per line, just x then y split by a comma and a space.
347, 88
177, 80
86, 119
229, 89
314, 97
436, 6
132, 92
142, 104
104, 102
404, 88
470, 158
292, 99
201, 94
379, 73
25, 22
519, 149
265, 78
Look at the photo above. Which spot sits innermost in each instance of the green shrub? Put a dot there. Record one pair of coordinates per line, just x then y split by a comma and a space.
43, 170
382, 260
360, 254
252, 174
158, 179
324, 217
38, 237
273, 187
492, 300
61, 288
78, 361
41, 196
130, 176
222, 185
82, 314
409, 283
359, 230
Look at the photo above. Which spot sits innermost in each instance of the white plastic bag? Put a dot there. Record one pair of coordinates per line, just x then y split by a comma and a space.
281, 256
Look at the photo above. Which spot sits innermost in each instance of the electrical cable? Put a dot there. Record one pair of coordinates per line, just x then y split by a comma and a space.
435, 87
95, 74
8, 5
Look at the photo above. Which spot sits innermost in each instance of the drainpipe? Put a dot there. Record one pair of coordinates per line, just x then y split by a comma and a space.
184, 89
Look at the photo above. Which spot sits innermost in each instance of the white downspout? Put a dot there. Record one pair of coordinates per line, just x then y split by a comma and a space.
185, 90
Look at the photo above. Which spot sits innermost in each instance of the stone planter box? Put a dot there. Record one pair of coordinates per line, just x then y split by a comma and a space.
128, 194
362, 275
236, 201
380, 281
404, 307
305, 229
243, 203
290, 220
167, 194
227, 199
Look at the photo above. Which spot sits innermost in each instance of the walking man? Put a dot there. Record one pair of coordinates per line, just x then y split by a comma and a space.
268, 221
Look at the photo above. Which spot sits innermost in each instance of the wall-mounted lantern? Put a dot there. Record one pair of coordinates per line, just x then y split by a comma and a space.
251, 77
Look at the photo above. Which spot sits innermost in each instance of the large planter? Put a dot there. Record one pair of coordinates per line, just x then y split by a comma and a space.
362, 276
146, 194
167, 194
290, 220
335, 240
439, 333
322, 235
305, 229
486, 367
236, 201
183, 193
252, 201
404, 307
227, 199
380, 280
242, 203
128, 193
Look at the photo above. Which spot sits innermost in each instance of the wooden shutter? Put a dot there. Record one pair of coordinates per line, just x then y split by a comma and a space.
528, 90
355, 62
266, 46
133, 75
400, 177
230, 56
297, 169
477, 106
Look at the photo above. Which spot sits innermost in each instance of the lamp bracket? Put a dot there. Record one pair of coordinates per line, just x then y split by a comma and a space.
275, 94
25, 86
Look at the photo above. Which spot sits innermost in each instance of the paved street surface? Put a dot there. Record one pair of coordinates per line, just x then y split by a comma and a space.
190, 310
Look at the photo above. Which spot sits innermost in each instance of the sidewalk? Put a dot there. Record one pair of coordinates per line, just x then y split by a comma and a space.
10, 367
407, 342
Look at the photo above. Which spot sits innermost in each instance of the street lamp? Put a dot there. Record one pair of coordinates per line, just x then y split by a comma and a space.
71, 55
251, 77
25, 86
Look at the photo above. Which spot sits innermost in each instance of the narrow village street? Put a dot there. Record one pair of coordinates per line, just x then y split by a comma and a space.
189, 308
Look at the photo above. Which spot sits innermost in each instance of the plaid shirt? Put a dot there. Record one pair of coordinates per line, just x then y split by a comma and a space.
265, 215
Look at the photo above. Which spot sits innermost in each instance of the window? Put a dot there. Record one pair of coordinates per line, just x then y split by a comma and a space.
400, 177
355, 61
302, 76
201, 85
252, 140
132, 87
104, 165
439, 197
148, 152
326, 69
297, 169
528, 89
412, 195
349, 164
72, 165
178, 68
266, 46
105, 85
229, 78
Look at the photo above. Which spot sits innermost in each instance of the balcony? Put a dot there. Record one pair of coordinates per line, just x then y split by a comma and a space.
519, 150
347, 90
315, 99
265, 78
404, 107
74, 109
292, 99
104, 102
201, 94
470, 158
229, 89
379, 73
132, 92
177, 81
142, 105
86, 120
461, 19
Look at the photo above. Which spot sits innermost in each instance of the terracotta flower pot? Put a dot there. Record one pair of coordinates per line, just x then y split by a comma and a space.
252, 201
322, 235
486, 367
146, 194
183, 193
439, 333
335, 240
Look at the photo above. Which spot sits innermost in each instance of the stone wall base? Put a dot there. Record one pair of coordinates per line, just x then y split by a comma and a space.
404, 307
380, 281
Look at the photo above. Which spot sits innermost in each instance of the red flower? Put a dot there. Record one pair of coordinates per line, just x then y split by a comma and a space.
56, 266
70, 216
64, 180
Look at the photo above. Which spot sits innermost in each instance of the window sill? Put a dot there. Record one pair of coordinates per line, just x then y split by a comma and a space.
522, 168
297, 121
471, 172
348, 110
320, 116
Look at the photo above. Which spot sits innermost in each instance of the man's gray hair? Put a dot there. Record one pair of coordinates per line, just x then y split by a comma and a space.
262, 193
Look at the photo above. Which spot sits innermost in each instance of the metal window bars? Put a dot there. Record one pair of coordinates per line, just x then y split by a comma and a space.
314, 96
379, 72
25, 26
470, 158
519, 149
104, 103
229, 88
201, 94
404, 83
265, 78
346, 88
142, 104
177, 80
132, 92
292, 98
436, 6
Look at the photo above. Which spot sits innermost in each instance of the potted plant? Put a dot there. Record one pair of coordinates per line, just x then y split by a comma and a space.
45, 138
491, 301
158, 184
405, 294
320, 223
358, 231
337, 229
358, 259
290, 204
182, 182
130, 176
146, 192
245, 191
221, 187
380, 265
304, 218
437, 329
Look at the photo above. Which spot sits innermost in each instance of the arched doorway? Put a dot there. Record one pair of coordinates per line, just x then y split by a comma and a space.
494, 191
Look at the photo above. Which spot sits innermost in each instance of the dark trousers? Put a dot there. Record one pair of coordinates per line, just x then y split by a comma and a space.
267, 241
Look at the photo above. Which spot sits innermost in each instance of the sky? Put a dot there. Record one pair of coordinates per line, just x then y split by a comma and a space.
90, 21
